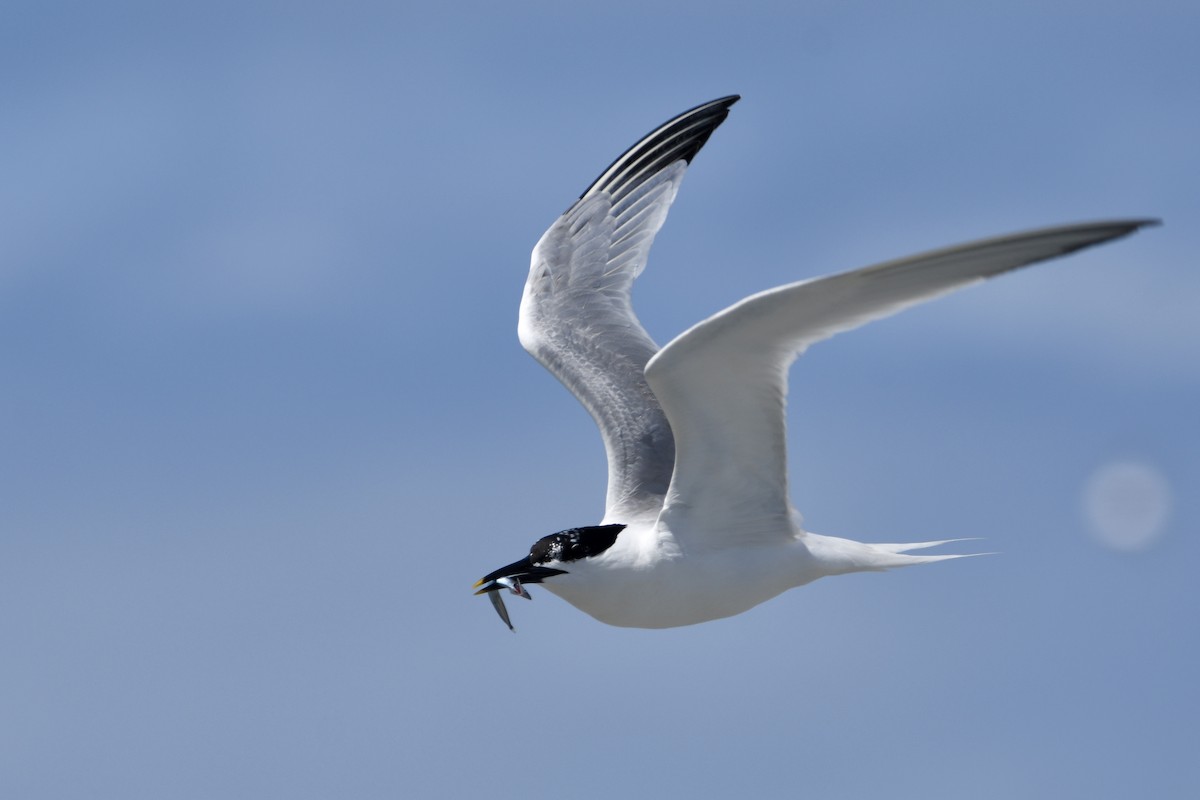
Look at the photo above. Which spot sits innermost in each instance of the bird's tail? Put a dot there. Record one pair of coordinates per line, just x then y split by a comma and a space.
897, 555
847, 555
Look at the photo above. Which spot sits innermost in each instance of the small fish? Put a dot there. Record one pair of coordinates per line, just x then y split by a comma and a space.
492, 590
498, 604
514, 586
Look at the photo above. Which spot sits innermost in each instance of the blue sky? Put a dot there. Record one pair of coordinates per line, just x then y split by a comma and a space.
265, 417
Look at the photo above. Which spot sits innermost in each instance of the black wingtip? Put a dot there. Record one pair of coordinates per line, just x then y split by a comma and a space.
1121, 229
1125, 227
1131, 225
714, 112
1097, 233
680, 137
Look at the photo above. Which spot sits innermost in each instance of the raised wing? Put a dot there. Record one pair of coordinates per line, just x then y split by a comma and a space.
576, 316
723, 382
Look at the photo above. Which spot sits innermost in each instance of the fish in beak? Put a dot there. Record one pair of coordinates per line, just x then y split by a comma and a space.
512, 577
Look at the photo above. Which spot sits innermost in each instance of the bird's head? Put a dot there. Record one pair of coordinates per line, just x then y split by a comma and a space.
551, 555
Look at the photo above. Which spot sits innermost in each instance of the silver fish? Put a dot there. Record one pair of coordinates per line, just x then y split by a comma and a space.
514, 586
492, 590
498, 604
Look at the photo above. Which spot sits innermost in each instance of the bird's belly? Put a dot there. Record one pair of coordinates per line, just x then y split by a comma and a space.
684, 591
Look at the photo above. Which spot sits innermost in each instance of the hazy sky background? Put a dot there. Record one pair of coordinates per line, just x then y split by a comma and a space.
264, 416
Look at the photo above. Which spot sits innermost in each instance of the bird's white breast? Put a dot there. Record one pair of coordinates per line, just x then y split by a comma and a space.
655, 584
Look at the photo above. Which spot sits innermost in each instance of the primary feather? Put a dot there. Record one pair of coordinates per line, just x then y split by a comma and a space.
576, 316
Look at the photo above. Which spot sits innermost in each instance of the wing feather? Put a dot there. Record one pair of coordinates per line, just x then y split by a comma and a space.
723, 382
576, 315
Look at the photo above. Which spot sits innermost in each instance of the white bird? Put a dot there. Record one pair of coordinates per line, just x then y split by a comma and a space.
698, 524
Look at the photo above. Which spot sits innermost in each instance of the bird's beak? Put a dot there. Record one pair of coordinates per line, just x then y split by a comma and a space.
512, 576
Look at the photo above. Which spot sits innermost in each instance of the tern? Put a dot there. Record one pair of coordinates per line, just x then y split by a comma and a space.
697, 524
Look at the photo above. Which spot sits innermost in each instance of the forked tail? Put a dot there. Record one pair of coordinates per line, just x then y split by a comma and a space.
846, 555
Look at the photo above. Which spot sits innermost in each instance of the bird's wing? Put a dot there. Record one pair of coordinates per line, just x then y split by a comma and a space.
723, 382
576, 317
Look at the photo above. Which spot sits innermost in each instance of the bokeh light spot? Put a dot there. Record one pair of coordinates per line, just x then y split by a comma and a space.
1126, 504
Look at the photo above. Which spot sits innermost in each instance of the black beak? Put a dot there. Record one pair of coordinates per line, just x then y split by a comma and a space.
523, 570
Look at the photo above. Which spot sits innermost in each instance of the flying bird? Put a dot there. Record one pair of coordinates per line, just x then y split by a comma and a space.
697, 524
